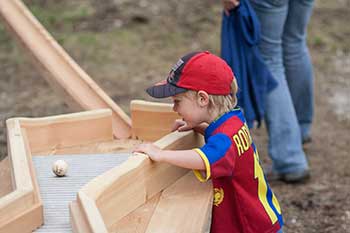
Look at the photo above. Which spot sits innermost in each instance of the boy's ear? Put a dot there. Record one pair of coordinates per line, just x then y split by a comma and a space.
202, 98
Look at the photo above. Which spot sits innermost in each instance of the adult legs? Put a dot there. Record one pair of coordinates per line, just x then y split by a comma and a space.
285, 147
297, 62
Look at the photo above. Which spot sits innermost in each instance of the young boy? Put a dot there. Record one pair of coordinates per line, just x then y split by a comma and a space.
204, 89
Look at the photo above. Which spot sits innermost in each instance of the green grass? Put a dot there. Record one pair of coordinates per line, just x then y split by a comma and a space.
61, 16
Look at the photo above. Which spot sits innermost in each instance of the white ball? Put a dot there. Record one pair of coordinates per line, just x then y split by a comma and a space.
60, 167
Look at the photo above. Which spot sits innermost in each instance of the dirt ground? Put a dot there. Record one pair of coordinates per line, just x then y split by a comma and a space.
127, 45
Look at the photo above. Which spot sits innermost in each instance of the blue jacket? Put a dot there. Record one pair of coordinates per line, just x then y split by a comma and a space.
240, 35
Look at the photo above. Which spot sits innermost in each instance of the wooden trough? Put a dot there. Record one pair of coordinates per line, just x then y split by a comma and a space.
136, 196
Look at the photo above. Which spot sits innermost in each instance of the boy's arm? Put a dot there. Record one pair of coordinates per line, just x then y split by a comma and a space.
182, 158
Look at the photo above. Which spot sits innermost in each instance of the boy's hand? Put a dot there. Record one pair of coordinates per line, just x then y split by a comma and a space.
151, 150
229, 5
180, 125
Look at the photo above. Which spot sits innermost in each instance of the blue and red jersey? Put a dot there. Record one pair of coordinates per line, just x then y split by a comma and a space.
243, 200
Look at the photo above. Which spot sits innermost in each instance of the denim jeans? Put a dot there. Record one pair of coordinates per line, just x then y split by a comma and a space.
289, 107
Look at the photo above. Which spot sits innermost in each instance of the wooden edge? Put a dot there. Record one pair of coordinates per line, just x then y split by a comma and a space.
122, 189
23, 206
13, 203
151, 106
64, 118
17, 152
67, 130
26, 221
91, 213
78, 222
58, 67
37, 195
151, 120
5, 177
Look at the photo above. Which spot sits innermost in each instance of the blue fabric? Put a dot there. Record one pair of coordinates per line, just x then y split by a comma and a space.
216, 147
218, 122
289, 106
240, 35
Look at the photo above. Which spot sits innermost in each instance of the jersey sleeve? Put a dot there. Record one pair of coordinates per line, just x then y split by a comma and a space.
216, 158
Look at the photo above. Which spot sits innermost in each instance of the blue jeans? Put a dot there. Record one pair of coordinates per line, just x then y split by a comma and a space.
289, 107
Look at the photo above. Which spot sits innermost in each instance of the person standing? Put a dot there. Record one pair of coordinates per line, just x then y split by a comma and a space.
289, 107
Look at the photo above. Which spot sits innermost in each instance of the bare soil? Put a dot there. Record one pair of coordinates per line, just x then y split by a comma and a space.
127, 45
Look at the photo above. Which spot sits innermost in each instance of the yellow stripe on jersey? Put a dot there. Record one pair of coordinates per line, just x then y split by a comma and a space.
262, 191
198, 173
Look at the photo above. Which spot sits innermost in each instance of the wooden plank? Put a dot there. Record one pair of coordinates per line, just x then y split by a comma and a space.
67, 130
17, 153
25, 222
13, 204
78, 221
151, 120
104, 147
120, 190
58, 68
5, 177
36, 191
91, 213
184, 207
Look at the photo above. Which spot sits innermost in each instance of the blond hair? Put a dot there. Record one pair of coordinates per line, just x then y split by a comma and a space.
223, 103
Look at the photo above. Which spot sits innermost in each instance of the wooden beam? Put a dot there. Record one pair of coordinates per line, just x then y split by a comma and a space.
68, 130
91, 213
5, 177
58, 68
78, 221
25, 222
151, 120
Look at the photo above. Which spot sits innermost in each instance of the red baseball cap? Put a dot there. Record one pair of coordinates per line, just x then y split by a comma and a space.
196, 71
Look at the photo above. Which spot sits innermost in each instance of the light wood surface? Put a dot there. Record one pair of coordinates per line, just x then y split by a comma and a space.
77, 219
138, 220
151, 120
5, 177
183, 207
68, 130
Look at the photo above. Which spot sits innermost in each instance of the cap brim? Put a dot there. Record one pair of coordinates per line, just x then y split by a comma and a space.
165, 90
